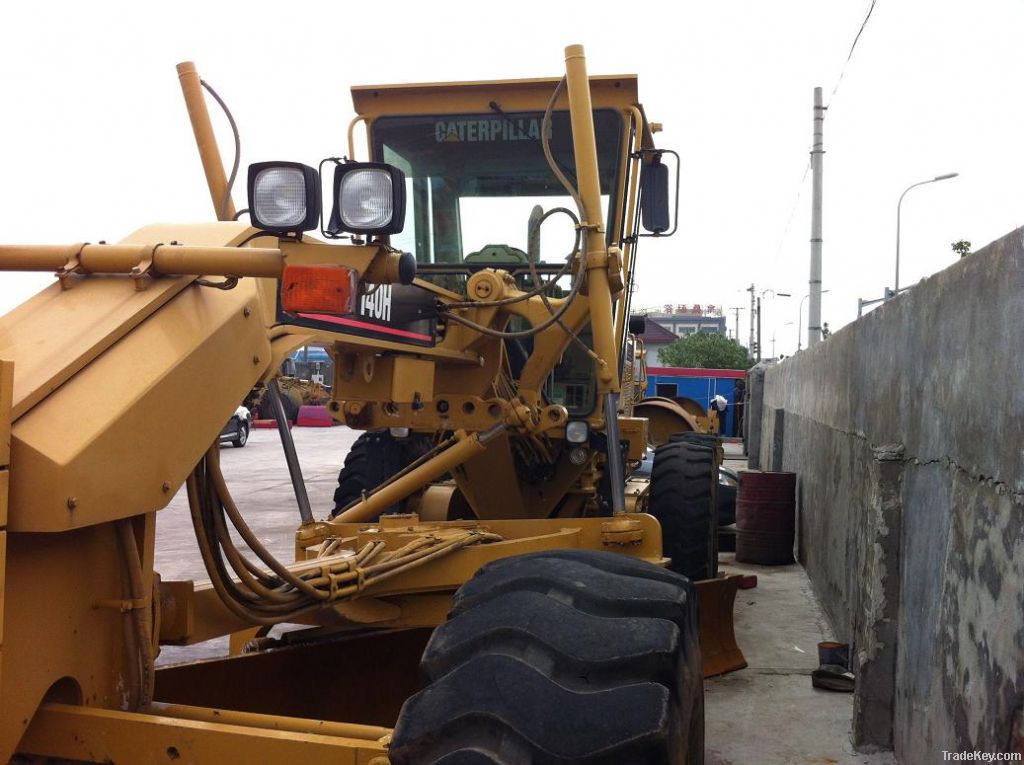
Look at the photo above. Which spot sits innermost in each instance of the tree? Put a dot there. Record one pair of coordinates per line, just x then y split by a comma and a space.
962, 247
705, 350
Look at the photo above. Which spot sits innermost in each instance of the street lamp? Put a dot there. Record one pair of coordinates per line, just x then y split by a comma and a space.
800, 319
946, 177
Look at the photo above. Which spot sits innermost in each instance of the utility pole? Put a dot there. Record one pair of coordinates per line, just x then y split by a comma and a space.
753, 310
817, 162
758, 328
736, 310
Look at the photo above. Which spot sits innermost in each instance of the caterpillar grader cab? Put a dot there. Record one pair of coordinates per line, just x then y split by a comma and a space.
500, 579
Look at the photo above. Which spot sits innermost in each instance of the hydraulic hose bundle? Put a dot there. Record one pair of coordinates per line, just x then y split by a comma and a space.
273, 592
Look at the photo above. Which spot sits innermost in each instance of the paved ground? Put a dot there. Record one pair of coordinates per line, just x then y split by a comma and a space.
767, 713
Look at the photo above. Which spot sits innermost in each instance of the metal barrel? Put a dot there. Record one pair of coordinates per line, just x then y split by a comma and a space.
766, 518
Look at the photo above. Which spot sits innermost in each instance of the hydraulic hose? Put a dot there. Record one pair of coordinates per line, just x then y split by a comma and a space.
283, 592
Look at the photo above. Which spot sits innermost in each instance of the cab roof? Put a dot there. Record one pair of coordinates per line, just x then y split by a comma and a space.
370, 101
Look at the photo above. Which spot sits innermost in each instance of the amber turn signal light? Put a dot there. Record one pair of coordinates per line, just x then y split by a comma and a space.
319, 289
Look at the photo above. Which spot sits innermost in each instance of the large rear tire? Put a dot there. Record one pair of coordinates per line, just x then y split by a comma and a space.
372, 460
683, 484
567, 656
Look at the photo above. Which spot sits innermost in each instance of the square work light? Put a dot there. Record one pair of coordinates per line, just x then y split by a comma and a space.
369, 198
284, 196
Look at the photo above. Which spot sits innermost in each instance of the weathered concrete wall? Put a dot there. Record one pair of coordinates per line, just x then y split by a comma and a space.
907, 432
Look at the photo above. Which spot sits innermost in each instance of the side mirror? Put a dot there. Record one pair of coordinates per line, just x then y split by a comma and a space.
654, 197
637, 324
655, 208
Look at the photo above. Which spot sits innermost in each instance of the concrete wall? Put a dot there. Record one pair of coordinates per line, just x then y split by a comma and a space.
906, 430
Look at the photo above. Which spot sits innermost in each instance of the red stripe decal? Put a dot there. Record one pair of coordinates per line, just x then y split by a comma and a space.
365, 325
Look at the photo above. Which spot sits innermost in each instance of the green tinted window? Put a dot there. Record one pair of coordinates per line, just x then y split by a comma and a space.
473, 179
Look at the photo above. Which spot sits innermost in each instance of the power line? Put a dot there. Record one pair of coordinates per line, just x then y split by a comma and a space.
807, 167
792, 212
850, 54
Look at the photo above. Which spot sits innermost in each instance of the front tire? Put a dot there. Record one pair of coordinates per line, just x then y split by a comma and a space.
567, 656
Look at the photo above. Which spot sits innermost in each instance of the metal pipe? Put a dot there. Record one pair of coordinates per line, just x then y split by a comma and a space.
206, 141
466, 447
628, 250
585, 149
602, 320
352, 135
169, 260
616, 479
290, 455
227, 261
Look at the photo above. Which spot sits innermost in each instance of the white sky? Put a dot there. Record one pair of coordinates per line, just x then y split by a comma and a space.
95, 141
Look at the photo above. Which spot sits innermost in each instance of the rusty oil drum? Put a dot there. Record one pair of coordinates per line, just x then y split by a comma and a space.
766, 518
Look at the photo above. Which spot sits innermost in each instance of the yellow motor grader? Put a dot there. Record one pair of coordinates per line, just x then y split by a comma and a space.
504, 578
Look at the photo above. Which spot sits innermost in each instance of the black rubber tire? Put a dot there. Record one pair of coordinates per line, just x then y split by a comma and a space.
243, 436
266, 408
567, 656
725, 497
373, 459
704, 439
683, 484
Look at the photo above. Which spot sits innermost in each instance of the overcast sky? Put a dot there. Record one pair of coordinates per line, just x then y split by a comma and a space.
96, 142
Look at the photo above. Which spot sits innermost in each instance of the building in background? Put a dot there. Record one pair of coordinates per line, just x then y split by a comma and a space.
683, 320
655, 338
668, 322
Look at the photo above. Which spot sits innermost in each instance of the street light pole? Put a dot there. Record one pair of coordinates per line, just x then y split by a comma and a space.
774, 295
899, 205
800, 319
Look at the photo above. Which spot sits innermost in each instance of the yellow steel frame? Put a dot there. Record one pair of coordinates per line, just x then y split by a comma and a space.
193, 613
169, 733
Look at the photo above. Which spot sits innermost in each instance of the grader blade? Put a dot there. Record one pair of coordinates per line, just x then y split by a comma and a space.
715, 599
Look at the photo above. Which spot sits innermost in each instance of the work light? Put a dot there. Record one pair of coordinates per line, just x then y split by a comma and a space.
369, 198
284, 196
577, 432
